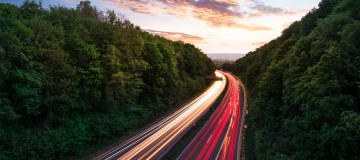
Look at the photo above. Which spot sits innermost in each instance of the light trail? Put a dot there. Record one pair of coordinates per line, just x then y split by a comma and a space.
219, 138
156, 140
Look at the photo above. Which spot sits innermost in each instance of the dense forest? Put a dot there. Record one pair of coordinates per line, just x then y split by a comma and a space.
71, 78
305, 87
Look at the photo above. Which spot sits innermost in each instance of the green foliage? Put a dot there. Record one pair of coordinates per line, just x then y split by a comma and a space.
304, 90
30, 9
72, 78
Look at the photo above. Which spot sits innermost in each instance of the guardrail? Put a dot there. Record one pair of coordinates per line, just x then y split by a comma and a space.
243, 112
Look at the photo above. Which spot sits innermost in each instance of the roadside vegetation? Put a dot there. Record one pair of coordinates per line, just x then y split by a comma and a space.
305, 87
71, 78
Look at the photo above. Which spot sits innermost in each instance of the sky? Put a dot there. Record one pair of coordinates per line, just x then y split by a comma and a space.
214, 26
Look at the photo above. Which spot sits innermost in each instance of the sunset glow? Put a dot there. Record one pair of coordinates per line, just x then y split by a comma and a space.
215, 26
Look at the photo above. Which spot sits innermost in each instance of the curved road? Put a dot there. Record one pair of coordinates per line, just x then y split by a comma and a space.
220, 136
156, 140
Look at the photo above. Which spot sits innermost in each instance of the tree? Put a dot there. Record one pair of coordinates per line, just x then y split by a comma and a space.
302, 86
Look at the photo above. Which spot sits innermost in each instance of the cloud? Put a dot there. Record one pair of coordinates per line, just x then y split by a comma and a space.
69, 1
219, 18
134, 5
259, 9
216, 13
177, 36
259, 44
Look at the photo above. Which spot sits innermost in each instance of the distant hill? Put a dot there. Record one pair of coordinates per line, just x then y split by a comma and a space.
225, 56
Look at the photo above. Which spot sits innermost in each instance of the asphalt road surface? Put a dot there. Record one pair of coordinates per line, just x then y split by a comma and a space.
219, 138
154, 141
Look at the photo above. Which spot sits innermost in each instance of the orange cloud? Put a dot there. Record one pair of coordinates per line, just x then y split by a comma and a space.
224, 20
134, 5
216, 13
177, 36
259, 44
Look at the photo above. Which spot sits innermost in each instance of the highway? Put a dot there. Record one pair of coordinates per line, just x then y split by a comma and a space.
154, 141
220, 136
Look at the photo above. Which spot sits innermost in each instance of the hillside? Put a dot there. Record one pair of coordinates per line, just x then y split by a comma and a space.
305, 87
74, 78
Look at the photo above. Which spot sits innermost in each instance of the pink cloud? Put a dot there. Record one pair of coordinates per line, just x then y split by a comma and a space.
216, 13
177, 36
259, 44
